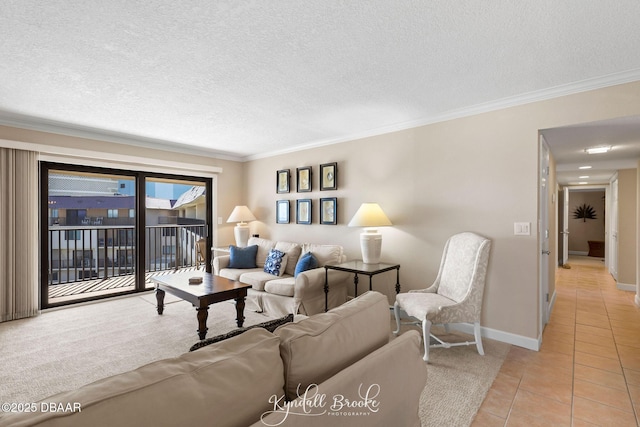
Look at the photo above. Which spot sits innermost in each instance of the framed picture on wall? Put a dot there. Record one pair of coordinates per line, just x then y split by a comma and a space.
282, 181
329, 176
303, 179
303, 211
328, 211
282, 212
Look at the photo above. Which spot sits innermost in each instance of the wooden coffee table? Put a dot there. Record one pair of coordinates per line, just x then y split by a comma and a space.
212, 289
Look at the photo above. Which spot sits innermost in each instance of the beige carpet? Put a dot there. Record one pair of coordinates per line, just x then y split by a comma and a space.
64, 349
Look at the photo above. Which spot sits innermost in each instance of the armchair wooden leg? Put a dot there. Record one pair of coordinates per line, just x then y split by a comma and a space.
396, 311
426, 336
476, 332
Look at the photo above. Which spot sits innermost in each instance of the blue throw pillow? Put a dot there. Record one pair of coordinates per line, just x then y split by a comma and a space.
274, 263
306, 262
243, 257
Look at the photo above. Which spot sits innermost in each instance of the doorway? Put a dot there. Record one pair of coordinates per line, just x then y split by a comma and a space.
585, 209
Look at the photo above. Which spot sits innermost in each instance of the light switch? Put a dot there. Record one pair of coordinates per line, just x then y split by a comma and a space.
522, 228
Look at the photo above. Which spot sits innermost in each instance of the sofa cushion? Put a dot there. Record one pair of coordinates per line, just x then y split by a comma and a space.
293, 251
242, 257
257, 279
325, 254
275, 263
284, 286
212, 386
306, 262
318, 347
235, 273
264, 246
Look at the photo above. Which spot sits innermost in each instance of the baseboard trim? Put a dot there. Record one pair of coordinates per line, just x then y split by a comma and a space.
579, 253
625, 287
552, 302
492, 334
505, 337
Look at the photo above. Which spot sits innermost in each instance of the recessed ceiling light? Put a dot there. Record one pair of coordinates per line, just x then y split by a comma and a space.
584, 167
582, 182
598, 150
584, 177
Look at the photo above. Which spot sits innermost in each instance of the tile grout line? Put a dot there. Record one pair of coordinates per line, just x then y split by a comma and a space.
624, 376
573, 366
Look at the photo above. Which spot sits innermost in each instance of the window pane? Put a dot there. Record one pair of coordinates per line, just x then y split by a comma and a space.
176, 220
88, 241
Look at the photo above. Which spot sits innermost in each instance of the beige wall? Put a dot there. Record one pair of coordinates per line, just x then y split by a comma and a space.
477, 173
627, 194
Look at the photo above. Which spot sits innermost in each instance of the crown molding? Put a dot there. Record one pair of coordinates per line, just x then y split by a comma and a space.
59, 128
513, 101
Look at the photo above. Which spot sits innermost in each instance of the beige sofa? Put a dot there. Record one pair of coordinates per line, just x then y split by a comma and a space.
280, 295
336, 368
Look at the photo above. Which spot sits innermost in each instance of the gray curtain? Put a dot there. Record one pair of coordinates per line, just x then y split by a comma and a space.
18, 234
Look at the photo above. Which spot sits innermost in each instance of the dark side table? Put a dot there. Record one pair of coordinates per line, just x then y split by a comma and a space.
358, 267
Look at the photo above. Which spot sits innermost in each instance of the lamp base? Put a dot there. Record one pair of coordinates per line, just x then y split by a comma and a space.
371, 246
241, 233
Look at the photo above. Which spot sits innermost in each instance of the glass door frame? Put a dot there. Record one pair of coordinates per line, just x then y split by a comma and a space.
140, 222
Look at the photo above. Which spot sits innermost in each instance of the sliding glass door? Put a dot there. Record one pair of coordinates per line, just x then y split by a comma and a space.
104, 232
176, 230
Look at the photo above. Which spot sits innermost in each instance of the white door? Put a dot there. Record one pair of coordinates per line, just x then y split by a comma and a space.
613, 235
565, 229
543, 233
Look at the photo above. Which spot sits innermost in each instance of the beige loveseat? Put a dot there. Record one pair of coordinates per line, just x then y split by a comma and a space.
281, 295
336, 368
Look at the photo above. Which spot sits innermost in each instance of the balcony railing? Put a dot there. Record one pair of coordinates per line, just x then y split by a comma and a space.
89, 252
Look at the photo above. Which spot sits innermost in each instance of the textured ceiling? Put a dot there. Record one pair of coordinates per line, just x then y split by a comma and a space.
247, 78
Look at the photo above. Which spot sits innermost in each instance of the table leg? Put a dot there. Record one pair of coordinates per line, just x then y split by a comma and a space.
160, 300
203, 313
326, 289
398, 280
355, 284
240, 311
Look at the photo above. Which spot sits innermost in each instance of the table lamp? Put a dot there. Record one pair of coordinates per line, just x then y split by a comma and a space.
240, 214
370, 216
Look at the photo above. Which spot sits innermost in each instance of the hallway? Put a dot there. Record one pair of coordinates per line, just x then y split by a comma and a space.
587, 372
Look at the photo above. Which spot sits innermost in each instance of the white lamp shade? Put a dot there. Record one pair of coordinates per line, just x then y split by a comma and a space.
241, 214
370, 215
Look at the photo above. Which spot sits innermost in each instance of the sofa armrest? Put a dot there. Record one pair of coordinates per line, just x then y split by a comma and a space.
220, 262
310, 283
391, 378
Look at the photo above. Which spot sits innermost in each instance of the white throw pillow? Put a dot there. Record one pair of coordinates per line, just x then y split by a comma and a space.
293, 251
276, 262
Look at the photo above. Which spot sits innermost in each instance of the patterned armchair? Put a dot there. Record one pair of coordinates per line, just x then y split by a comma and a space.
456, 294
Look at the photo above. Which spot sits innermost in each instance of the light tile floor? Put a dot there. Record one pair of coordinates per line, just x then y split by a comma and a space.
587, 372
